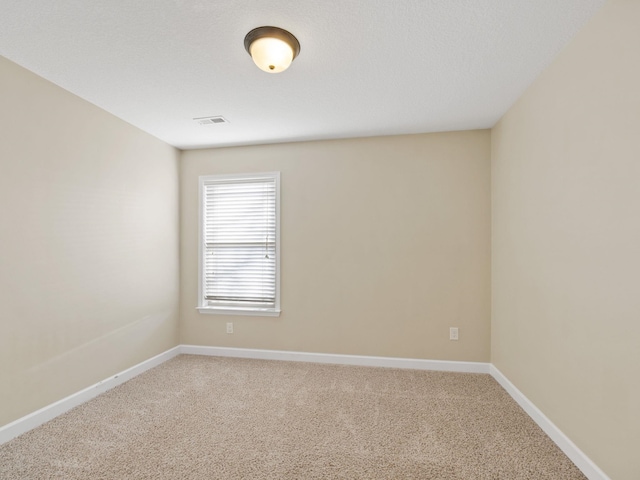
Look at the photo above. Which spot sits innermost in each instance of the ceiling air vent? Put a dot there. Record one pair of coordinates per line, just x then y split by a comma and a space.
211, 120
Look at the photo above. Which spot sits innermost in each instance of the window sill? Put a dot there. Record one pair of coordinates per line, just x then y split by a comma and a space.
254, 312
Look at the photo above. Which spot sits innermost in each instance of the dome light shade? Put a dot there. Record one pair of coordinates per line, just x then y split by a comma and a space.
272, 48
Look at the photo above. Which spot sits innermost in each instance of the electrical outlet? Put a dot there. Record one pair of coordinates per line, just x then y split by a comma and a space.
229, 327
453, 333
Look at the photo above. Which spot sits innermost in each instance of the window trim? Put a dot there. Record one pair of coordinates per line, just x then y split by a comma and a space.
250, 311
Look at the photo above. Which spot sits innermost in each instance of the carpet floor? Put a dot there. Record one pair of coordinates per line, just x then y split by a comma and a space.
197, 417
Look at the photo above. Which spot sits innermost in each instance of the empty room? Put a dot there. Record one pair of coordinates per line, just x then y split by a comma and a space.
367, 239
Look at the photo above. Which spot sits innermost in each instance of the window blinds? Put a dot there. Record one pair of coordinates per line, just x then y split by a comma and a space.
239, 238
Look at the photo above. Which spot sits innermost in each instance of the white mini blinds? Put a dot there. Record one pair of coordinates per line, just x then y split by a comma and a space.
239, 251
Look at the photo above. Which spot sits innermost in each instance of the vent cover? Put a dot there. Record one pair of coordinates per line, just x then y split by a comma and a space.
211, 120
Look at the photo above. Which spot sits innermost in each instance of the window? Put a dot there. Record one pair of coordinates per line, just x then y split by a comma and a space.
240, 244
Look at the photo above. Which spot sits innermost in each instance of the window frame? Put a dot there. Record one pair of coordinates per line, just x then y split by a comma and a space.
203, 307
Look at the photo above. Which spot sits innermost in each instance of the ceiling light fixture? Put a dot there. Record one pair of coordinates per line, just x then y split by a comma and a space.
272, 48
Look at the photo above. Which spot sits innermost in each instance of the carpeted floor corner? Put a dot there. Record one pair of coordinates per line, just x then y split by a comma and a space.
198, 417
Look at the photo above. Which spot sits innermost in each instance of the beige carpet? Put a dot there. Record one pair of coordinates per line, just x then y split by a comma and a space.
218, 418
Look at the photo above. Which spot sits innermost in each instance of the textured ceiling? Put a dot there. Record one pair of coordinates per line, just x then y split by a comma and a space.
366, 67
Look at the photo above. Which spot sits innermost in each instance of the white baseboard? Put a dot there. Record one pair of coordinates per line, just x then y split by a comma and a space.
577, 456
361, 360
37, 418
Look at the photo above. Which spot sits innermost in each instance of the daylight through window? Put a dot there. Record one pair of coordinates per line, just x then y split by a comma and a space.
239, 267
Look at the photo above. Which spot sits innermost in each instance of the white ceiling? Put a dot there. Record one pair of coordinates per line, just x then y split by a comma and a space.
366, 67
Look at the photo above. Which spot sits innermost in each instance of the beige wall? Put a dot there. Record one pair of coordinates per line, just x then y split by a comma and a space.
385, 245
566, 241
88, 244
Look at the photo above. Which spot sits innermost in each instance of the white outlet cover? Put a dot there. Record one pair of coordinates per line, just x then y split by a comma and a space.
453, 333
